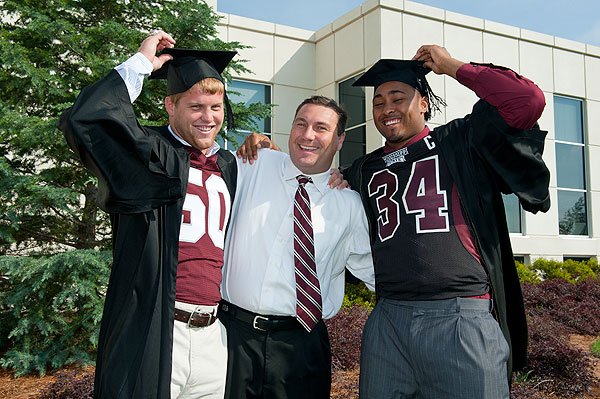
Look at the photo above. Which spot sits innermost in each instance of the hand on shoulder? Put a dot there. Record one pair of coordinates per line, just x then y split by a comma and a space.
248, 151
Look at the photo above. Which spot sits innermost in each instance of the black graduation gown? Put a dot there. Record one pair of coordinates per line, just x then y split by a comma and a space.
486, 157
142, 177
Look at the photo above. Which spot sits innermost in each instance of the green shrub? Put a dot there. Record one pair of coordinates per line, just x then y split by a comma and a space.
570, 270
52, 306
526, 274
580, 270
358, 294
551, 269
595, 348
593, 264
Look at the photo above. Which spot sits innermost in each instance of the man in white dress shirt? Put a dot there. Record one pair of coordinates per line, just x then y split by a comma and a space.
282, 228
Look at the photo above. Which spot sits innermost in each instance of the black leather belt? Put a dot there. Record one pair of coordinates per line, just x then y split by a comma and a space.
258, 321
195, 319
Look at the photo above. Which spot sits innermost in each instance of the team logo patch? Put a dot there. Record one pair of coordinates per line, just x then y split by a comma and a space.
396, 156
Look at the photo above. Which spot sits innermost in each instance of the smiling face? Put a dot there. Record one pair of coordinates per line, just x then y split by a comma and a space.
398, 112
196, 117
313, 138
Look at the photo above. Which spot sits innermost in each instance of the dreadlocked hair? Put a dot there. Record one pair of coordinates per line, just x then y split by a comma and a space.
434, 102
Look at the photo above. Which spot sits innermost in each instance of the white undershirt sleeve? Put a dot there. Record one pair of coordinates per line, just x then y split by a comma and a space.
133, 71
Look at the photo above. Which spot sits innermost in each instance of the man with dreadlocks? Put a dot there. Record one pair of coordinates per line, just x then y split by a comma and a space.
450, 320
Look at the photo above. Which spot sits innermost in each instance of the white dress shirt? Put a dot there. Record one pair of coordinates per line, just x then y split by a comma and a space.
259, 249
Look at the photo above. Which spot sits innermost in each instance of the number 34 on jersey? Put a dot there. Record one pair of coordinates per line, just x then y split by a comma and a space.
422, 198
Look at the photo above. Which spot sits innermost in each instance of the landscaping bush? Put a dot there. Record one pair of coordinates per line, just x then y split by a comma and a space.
345, 332
70, 384
554, 365
526, 274
525, 391
358, 294
595, 348
569, 270
576, 306
7, 318
581, 270
52, 306
555, 309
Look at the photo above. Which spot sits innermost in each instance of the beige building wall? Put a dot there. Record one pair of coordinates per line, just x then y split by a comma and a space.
281, 56
300, 63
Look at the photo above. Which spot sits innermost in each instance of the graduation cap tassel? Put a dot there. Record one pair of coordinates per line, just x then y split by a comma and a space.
230, 122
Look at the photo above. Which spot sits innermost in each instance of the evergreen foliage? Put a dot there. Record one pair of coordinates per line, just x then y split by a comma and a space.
50, 50
52, 306
526, 273
54, 241
570, 270
358, 294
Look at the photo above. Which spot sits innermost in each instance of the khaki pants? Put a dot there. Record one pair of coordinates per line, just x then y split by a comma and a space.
199, 358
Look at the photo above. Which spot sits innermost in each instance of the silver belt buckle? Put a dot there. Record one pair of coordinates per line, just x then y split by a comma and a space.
210, 317
255, 325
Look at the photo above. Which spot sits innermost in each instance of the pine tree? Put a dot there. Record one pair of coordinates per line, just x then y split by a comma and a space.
49, 221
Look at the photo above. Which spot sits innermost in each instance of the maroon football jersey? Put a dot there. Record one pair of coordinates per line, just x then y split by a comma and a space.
423, 249
202, 235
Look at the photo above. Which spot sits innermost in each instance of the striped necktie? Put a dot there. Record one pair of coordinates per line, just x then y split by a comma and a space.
308, 292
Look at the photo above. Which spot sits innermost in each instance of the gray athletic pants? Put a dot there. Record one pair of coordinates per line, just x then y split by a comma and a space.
433, 350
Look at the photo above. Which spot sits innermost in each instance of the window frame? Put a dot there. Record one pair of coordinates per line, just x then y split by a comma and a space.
359, 125
239, 132
585, 163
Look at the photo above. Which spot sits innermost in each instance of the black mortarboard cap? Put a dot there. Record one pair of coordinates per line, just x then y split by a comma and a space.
406, 71
190, 66
411, 72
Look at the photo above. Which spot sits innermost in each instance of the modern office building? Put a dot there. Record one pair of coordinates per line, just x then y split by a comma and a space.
290, 64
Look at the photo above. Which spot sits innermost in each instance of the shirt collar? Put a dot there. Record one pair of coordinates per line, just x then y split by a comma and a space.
212, 150
388, 149
290, 172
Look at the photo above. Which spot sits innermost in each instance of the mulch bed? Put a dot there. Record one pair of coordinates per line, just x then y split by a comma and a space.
344, 382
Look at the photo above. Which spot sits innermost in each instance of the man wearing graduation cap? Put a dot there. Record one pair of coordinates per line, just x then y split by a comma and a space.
450, 320
168, 191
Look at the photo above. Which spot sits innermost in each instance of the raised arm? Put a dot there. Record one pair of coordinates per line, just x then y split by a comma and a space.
103, 131
518, 100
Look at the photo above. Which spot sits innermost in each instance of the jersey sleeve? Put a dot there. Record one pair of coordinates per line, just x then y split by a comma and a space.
137, 169
518, 100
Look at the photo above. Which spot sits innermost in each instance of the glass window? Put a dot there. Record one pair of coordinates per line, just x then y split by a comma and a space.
567, 119
572, 213
570, 169
513, 213
240, 91
570, 166
354, 145
353, 100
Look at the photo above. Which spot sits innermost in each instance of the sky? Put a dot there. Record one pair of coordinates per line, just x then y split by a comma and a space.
577, 20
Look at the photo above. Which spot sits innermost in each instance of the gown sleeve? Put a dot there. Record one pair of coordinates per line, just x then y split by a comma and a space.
137, 168
513, 156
